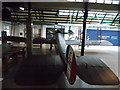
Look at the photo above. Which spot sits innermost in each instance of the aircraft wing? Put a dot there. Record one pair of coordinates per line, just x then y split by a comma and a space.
89, 42
46, 69
93, 71
40, 70
98, 42
73, 42
90, 69
14, 38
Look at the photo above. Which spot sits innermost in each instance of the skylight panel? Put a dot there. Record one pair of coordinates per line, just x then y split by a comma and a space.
111, 14
101, 13
63, 12
115, 2
99, 16
68, 12
100, 1
79, 0
80, 14
90, 14
93, 1
71, 0
108, 1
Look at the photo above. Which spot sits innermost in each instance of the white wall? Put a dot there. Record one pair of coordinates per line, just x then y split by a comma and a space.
66, 31
21, 29
0, 27
0, 32
43, 31
73, 28
16, 30
36, 30
6, 26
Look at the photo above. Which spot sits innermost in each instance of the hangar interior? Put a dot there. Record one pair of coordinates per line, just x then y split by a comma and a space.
28, 29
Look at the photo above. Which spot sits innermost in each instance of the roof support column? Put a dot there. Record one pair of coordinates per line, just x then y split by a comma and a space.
84, 28
29, 31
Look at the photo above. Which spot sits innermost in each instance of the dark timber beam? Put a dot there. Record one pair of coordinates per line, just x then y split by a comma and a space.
84, 28
29, 32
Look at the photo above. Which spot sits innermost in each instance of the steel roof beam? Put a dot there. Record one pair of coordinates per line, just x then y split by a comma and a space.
92, 18
103, 19
77, 15
114, 19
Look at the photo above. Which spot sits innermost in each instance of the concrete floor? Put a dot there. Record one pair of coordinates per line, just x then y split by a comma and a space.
108, 54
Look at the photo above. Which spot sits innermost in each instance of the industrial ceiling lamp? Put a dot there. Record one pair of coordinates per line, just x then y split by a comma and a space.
21, 8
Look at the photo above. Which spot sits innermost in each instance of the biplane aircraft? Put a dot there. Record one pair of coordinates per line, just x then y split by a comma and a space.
46, 69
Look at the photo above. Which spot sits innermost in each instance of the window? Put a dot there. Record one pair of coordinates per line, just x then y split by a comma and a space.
80, 14
71, 0
100, 1
115, 2
93, 1
68, 12
108, 1
79, 0
64, 12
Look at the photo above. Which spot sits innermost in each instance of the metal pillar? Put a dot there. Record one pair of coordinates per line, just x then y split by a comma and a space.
29, 32
84, 28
